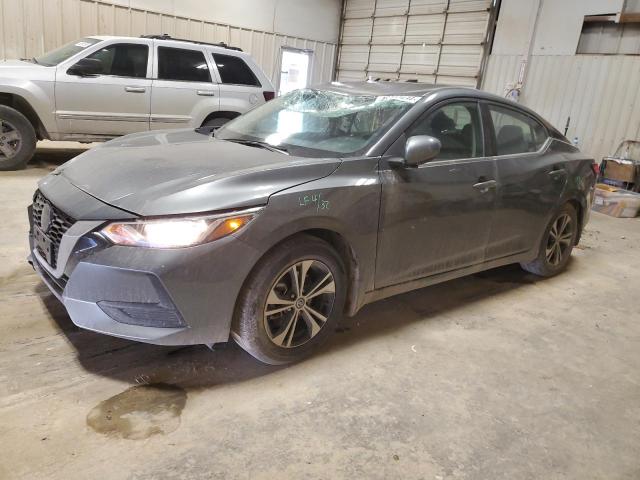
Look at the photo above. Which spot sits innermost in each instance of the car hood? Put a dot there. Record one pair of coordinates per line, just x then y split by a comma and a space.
183, 171
24, 70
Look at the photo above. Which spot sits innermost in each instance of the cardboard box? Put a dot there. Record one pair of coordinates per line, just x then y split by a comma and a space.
616, 202
621, 170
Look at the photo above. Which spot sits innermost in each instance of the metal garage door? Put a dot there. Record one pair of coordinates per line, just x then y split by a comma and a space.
434, 41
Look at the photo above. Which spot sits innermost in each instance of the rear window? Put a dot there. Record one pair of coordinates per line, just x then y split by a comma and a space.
516, 132
183, 65
234, 71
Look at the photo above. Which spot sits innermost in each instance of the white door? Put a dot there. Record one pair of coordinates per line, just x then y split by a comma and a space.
240, 89
295, 67
433, 41
183, 92
115, 102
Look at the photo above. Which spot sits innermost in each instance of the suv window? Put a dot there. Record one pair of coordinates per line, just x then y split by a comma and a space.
123, 59
182, 64
234, 70
516, 132
457, 126
54, 57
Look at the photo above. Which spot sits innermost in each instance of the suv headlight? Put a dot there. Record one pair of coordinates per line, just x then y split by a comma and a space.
177, 232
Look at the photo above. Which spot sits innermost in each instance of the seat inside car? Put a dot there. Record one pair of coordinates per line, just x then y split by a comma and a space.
455, 143
511, 140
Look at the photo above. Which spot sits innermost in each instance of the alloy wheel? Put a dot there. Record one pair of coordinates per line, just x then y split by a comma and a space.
559, 240
299, 303
10, 139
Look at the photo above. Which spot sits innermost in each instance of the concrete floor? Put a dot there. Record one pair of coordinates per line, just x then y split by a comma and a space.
495, 376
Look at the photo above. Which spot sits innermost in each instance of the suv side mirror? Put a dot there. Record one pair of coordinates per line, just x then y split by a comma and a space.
86, 67
420, 149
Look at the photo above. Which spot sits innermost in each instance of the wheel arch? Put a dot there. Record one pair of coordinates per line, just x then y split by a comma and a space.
343, 249
580, 210
24, 107
350, 260
220, 114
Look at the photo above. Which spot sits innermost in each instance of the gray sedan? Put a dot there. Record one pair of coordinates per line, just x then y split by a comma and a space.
271, 228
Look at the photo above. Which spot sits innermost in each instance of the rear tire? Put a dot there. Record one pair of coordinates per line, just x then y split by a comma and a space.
279, 323
17, 139
557, 243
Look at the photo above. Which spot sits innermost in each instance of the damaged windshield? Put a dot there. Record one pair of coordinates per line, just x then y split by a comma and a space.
312, 122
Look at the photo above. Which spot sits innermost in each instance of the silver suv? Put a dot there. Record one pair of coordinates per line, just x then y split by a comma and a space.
98, 88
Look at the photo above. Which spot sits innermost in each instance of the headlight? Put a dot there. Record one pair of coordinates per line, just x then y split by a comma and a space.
177, 232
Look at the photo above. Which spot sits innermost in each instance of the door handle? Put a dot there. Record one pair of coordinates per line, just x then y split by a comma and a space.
485, 186
557, 173
205, 93
135, 89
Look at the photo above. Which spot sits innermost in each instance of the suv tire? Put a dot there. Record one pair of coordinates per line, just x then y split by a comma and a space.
557, 243
17, 139
294, 329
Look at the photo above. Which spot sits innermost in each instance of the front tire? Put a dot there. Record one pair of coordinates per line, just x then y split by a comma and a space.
557, 244
17, 139
291, 302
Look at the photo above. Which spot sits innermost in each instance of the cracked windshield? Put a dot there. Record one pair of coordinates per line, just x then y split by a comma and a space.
312, 122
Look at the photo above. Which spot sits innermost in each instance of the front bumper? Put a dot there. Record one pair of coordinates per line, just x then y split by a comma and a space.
160, 296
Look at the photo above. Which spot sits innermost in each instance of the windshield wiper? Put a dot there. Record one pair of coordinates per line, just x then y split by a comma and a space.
259, 144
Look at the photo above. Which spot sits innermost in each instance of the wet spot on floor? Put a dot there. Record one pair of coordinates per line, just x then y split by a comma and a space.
139, 412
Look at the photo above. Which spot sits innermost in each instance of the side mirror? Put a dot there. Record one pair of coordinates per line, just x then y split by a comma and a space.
420, 149
86, 67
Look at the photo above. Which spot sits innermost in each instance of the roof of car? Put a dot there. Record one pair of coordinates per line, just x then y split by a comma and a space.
166, 38
379, 88
403, 88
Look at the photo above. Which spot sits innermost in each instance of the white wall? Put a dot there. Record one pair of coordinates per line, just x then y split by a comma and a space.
558, 29
599, 93
260, 27
312, 19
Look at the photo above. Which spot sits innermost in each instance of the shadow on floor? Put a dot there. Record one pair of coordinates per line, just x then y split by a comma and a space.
195, 367
51, 158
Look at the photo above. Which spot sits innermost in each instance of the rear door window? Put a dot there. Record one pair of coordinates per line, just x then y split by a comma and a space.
182, 65
123, 59
457, 126
234, 71
516, 132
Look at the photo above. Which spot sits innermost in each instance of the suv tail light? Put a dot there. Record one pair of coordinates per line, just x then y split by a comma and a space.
269, 96
596, 169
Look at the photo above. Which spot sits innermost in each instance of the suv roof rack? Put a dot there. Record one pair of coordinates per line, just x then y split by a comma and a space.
165, 36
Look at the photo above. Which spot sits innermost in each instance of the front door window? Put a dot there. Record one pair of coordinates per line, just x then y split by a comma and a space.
457, 126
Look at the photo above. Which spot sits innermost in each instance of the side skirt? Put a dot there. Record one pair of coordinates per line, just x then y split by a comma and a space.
392, 290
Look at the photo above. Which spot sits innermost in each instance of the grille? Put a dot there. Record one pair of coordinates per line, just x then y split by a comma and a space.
59, 224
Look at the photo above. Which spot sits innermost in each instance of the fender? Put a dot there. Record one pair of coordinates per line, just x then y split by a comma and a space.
38, 96
346, 205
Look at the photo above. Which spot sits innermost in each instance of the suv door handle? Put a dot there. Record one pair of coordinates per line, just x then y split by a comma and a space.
205, 93
485, 186
135, 89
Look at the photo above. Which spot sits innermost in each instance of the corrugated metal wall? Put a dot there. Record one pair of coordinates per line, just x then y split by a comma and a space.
601, 94
434, 41
52, 23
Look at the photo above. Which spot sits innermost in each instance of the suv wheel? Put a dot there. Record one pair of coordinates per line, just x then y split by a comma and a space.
292, 301
557, 243
17, 139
